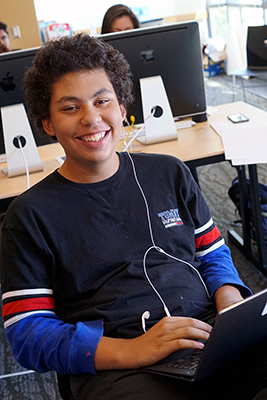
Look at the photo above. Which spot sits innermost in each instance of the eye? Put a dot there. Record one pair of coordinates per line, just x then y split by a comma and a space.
103, 102
70, 108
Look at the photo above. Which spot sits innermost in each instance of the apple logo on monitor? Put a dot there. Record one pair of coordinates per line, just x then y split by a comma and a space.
147, 56
7, 83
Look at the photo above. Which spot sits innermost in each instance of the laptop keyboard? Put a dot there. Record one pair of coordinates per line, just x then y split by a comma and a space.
189, 362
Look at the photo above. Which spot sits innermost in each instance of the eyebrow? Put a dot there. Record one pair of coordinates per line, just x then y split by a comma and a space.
65, 99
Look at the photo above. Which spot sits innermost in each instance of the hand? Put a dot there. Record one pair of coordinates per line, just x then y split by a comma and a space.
168, 335
225, 296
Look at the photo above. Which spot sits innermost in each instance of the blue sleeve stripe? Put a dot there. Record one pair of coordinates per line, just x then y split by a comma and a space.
217, 269
44, 342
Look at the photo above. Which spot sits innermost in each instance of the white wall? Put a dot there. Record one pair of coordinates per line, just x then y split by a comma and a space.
85, 14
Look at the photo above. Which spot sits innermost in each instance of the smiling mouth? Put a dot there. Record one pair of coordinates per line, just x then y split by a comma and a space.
95, 137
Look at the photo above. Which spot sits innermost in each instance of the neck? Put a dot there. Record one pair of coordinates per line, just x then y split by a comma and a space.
89, 173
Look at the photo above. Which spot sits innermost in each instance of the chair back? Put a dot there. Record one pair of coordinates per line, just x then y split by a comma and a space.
257, 48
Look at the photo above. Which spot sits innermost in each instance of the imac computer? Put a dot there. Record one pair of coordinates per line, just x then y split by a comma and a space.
168, 55
13, 116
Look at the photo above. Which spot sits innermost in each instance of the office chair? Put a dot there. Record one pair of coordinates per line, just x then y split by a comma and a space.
256, 55
257, 48
64, 387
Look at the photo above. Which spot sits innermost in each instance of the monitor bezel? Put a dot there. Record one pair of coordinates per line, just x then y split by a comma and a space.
131, 35
17, 56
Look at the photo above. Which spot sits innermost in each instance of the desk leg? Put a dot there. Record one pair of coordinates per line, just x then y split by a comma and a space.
233, 85
259, 256
244, 197
257, 217
243, 88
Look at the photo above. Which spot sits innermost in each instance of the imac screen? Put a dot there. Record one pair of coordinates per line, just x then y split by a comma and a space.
12, 68
174, 53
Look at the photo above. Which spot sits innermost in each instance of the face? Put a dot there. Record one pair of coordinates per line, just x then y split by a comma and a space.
4, 39
123, 23
86, 118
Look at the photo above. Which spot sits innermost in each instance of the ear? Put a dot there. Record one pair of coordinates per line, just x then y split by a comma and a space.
123, 112
48, 127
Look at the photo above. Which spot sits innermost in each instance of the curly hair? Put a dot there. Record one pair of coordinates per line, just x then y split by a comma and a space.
117, 11
71, 54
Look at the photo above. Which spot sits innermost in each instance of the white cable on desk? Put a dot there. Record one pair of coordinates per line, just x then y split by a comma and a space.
142, 127
134, 137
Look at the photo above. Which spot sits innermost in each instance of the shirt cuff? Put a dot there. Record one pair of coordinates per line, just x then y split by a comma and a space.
84, 345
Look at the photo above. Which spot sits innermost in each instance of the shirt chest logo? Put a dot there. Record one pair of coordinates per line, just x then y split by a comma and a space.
170, 218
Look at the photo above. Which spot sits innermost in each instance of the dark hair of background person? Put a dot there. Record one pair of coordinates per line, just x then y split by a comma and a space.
4, 38
117, 11
73, 54
3, 26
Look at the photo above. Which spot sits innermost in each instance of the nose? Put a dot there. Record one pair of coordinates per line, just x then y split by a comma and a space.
90, 116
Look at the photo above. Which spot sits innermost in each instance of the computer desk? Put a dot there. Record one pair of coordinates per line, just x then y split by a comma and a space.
255, 251
12, 187
196, 146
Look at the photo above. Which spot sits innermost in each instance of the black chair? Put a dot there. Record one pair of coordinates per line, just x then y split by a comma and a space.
256, 49
64, 387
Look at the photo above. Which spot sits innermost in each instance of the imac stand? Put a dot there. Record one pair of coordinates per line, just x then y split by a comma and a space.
158, 118
16, 124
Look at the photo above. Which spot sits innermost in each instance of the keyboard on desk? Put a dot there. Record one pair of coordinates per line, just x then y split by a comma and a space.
184, 124
187, 123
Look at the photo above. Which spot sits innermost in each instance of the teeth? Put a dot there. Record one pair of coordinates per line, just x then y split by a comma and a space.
94, 138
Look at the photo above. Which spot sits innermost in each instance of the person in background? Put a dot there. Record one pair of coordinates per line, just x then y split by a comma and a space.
119, 18
4, 38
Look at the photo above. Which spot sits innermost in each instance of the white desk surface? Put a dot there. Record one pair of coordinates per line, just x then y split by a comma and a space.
238, 107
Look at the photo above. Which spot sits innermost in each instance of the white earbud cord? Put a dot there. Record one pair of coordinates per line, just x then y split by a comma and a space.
139, 130
144, 197
154, 246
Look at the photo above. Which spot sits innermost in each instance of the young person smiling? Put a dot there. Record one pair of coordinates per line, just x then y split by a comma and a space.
88, 125
73, 284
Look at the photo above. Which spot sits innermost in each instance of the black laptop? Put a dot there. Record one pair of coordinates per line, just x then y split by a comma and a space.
237, 329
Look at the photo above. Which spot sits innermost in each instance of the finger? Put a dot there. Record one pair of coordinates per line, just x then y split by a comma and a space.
187, 344
193, 333
180, 322
186, 332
